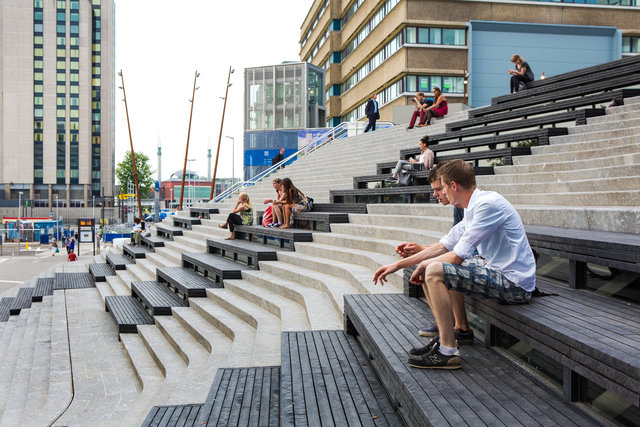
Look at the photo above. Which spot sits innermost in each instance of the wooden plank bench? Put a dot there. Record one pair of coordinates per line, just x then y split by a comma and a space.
326, 381
44, 287
73, 281
316, 221
204, 213
488, 390
588, 336
100, 271
5, 303
128, 313
409, 194
243, 397
215, 268
242, 251
137, 251
186, 222
22, 300
156, 297
356, 208
557, 104
282, 238
620, 251
167, 231
612, 75
118, 261
154, 241
173, 416
187, 283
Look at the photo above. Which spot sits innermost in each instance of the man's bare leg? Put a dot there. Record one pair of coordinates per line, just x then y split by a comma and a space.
457, 305
441, 305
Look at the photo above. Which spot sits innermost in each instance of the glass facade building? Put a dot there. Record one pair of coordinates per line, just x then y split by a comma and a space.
279, 100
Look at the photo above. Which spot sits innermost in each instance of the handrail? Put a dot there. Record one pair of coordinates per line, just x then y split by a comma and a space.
332, 134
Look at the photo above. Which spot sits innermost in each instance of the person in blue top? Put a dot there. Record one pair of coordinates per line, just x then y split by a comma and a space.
491, 226
371, 111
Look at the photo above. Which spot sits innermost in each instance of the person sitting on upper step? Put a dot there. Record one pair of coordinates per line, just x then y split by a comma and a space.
438, 109
493, 227
241, 214
293, 200
421, 103
276, 204
424, 162
522, 75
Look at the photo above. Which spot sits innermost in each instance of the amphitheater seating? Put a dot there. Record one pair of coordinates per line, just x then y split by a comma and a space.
167, 231
157, 298
205, 213
127, 313
242, 251
22, 300
152, 241
134, 252
185, 222
282, 238
187, 283
119, 261
44, 287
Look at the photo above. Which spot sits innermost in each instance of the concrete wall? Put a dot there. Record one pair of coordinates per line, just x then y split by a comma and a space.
552, 49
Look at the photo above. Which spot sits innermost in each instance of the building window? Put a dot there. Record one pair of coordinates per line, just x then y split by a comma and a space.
448, 84
351, 11
315, 22
385, 96
369, 26
631, 44
436, 36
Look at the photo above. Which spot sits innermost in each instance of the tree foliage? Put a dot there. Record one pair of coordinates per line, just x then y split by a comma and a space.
124, 173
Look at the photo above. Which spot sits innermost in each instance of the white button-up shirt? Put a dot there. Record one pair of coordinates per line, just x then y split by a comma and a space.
493, 227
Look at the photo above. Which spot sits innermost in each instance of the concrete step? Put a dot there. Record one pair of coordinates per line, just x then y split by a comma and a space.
573, 186
595, 136
610, 198
412, 222
139, 273
587, 153
291, 314
608, 125
624, 219
159, 259
7, 335
148, 373
120, 283
11, 359
349, 241
320, 313
194, 244
333, 287
617, 115
17, 386
105, 290
399, 234
358, 276
603, 162
148, 266
419, 209
559, 176
266, 345
241, 334
211, 338
40, 372
60, 392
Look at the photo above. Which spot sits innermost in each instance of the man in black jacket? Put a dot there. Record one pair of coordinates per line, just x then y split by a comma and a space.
371, 111
278, 158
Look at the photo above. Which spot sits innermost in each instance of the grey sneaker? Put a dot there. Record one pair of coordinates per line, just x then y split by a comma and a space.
431, 331
436, 360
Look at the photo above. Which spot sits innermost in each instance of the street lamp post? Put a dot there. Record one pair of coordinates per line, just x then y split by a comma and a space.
224, 108
133, 156
190, 182
233, 157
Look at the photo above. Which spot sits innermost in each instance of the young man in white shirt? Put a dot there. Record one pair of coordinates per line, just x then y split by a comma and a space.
493, 227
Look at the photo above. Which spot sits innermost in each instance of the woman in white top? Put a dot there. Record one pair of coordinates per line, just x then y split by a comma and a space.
424, 162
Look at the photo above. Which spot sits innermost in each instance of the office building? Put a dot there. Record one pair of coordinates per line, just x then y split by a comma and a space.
57, 104
279, 101
396, 48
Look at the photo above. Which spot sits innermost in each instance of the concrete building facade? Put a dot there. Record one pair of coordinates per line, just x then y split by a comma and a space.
396, 48
57, 107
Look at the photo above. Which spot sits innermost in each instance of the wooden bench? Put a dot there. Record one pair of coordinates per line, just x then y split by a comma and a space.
44, 287
326, 381
119, 261
620, 251
137, 251
243, 397
73, 281
409, 194
356, 208
167, 231
243, 251
156, 297
488, 390
173, 415
556, 104
314, 220
5, 303
128, 313
187, 283
282, 238
101, 271
154, 241
22, 300
186, 222
204, 213
216, 268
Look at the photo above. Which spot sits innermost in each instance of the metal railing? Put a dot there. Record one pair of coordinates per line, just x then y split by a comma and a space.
343, 130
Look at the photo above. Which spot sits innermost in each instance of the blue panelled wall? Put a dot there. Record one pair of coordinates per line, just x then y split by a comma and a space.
262, 146
552, 49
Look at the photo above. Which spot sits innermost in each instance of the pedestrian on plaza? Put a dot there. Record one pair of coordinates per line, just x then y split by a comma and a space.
372, 113
54, 246
72, 256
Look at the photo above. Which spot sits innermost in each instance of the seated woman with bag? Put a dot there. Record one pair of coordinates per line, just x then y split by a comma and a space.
242, 214
273, 214
294, 199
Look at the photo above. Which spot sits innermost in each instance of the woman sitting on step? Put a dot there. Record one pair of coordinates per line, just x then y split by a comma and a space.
293, 199
438, 109
242, 214
276, 205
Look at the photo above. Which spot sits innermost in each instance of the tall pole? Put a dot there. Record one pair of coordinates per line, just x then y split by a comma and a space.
19, 221
186, 152
215, 168
133, 156
233, 158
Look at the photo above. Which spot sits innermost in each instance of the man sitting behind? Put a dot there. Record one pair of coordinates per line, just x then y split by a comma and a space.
493, 227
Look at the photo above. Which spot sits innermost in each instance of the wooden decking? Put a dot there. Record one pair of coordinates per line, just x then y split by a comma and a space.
156, 297
127, 313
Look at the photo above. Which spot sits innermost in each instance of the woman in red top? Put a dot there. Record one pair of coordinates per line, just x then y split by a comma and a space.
438, 109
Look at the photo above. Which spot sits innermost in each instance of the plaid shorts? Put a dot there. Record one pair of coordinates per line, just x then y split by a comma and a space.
476, 279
